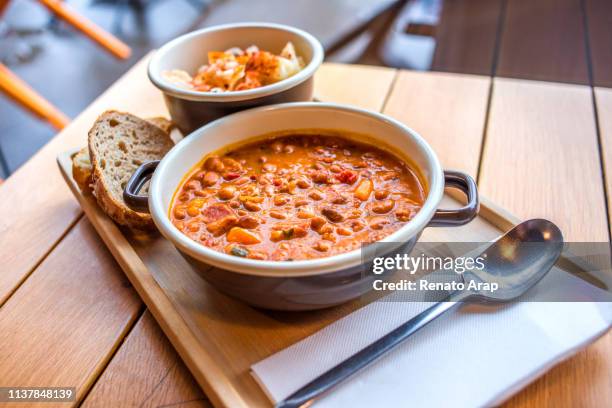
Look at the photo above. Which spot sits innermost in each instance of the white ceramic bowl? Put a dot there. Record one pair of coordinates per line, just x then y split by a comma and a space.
277, 284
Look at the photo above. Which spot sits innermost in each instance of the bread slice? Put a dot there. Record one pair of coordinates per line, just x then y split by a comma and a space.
118, 143
164, 124
81, 163
81, 169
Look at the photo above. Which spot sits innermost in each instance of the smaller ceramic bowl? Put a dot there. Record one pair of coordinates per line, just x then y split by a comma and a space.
191, 109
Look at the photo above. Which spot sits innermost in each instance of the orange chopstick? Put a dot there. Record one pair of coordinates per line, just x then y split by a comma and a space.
114, 45
21, 93
3, 4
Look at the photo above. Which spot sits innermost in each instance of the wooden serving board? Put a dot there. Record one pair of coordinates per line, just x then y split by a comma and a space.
219, 338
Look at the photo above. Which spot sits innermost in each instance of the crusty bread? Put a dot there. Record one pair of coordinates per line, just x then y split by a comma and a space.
81, 169
119, 143
81, 164
164, 124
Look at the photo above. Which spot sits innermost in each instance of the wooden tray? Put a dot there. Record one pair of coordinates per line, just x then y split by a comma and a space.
219, 338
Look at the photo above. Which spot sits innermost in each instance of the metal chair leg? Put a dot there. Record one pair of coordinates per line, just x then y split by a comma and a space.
4, 166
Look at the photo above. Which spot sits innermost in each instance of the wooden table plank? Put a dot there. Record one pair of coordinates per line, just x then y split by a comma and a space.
466, 36
543, 40
146, 372
541, 159
448, 110
599, 21
541, 156
603, 98
36, 207
584, 380
63, 324
359, 85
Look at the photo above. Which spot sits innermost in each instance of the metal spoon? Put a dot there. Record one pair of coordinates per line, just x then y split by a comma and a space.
512, 262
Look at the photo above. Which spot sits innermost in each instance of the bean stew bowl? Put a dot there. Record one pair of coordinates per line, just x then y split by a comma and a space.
272, 205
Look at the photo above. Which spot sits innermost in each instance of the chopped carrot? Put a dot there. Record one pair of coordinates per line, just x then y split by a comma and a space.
364, 189
242, 236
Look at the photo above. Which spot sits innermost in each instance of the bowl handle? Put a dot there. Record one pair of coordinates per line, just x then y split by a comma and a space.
132, 189
463, 215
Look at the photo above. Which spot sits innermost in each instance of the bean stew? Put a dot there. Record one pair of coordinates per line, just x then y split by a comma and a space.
296, 197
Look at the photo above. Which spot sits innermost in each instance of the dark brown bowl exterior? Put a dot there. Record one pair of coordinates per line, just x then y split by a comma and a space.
191, 115
294, 293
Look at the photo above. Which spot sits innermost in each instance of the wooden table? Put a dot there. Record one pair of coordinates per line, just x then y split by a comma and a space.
70, 318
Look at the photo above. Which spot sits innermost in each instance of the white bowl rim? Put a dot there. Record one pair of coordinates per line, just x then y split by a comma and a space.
287, 269
307, 72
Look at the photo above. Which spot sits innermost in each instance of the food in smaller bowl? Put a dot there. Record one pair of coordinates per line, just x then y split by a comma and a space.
237, 70
296, 197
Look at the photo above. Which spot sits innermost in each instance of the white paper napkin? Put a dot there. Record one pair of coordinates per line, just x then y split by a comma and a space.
472, 356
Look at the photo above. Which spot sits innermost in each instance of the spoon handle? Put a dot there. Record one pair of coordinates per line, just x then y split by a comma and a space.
362, 358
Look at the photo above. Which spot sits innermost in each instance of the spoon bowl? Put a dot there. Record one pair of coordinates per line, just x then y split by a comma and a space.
516, 261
